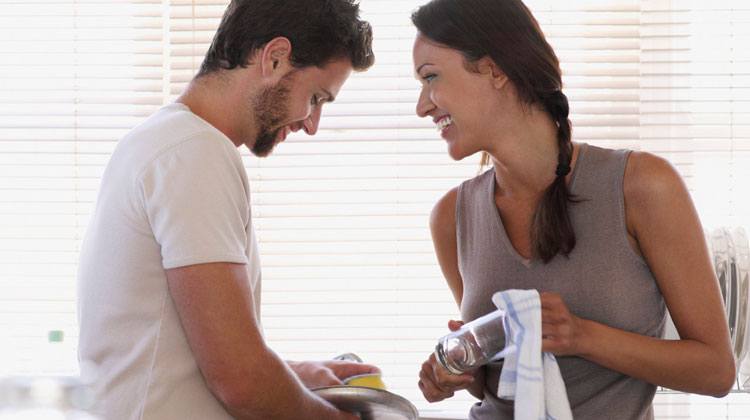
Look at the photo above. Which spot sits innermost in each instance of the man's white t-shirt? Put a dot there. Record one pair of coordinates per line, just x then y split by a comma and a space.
175, 193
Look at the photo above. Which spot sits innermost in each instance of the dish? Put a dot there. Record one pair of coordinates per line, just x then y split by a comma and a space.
369, 403
742, 259
720, 251
734, 293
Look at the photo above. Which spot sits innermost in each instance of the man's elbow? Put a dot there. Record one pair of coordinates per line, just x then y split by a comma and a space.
235, 396
239, 399
239, 389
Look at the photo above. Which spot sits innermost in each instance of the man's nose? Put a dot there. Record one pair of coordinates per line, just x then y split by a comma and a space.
311, 123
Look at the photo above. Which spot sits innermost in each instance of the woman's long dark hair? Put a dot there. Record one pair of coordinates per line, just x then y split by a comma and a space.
507, 32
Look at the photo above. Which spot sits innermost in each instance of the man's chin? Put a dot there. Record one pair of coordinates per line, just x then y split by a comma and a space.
261, 153
263, 147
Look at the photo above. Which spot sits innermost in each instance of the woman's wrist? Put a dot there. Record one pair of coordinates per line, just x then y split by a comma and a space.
587, 338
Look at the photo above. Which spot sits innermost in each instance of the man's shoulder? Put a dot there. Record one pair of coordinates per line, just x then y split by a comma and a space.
170, 125
172, 130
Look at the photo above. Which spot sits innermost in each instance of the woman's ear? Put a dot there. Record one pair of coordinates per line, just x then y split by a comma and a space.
275, 57
487, 66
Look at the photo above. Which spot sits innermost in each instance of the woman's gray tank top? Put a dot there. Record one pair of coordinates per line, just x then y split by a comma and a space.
603, 280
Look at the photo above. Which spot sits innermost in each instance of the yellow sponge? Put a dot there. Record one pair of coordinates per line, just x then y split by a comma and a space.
369, 380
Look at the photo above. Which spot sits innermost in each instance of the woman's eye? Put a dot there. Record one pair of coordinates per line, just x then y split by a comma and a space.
428, 77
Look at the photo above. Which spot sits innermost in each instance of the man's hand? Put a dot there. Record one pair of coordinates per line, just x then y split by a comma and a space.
329, 372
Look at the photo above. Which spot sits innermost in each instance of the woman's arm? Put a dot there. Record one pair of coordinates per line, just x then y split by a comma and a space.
443, 230
436, 383
665, 229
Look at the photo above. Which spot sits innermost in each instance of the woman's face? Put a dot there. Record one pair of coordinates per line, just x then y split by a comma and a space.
461, 102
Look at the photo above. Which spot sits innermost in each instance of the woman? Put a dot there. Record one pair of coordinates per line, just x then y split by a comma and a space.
607, 236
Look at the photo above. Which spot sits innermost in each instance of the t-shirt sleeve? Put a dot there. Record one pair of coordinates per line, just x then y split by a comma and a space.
197, 203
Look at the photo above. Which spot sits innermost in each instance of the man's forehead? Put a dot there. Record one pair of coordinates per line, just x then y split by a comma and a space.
331, 76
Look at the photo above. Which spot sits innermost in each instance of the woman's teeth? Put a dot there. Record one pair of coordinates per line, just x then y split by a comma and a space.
445, 122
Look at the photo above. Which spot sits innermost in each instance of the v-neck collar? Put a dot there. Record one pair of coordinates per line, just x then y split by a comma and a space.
498, 220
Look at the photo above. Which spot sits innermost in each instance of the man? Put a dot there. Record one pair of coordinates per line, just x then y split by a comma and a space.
169, 275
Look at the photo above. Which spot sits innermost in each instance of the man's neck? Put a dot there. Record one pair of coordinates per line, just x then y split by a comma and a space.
211, 99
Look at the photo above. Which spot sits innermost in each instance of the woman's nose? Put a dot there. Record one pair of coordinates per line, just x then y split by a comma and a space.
424, 104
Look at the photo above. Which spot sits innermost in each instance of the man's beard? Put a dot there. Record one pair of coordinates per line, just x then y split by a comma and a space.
270, 107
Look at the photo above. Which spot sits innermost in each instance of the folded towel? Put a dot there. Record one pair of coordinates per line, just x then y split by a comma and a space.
531, 379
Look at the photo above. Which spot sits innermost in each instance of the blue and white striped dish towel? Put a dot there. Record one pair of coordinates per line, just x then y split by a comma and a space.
529, 377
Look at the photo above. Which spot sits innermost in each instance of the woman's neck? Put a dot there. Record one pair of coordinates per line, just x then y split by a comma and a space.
525, 156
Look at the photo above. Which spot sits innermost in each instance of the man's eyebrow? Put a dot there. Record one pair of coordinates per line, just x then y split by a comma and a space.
331, 98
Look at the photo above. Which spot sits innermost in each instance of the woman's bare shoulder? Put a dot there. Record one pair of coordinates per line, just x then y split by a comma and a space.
651, 180
443, 216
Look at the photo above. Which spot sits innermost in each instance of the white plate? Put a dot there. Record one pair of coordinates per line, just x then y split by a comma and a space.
369, 403
721, 246
742, 254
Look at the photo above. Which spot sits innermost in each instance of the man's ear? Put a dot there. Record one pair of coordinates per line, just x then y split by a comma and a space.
487, 66
275, 57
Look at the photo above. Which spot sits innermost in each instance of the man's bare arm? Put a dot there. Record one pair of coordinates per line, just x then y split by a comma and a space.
215, 305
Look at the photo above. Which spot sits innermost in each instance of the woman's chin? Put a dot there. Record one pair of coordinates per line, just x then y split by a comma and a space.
455, 153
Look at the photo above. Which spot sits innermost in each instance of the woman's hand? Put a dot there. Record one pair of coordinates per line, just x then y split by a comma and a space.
562, 332
436, 383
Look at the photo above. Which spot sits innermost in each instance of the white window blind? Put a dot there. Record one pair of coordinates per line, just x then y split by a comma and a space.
74, 77
342, 216
695, 99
